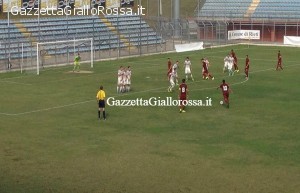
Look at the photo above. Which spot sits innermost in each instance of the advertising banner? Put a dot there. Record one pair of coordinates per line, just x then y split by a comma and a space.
189, 47
64, 3
8, 4
291, 40
30, 4
112, 3
82, 4
127, 3
1, 6
244, 34
97, 3
49, 4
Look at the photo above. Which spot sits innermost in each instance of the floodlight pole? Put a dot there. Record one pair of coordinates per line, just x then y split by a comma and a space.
8, 30
37, 59
22, 62
198, 9
39, 19
171, 9
176, 18
147, 8
92, 53
68, 53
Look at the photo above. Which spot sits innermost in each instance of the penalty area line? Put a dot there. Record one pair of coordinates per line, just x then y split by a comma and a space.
12, 82
84, 102
132, 93
73, 104
46, 109
237, 83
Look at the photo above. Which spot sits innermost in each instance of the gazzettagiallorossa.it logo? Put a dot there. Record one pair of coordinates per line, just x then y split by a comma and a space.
81, 11
157, 101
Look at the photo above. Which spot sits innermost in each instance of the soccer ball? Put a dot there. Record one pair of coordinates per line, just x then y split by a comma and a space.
221, 102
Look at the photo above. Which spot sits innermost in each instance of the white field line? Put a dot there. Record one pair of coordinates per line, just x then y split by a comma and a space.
210, 88
151, 64
71, 68
13, 82
126, 94
73, 104
244, 81
46, 109
71, 78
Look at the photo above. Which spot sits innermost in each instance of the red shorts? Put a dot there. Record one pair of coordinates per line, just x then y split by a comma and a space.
235, 60
169, 71
226, 96
183, 100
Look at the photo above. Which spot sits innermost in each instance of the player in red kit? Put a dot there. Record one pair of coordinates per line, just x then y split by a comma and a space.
183, 91
247, 65
279, 62
169, 67
205, 73
225, 90
236, 68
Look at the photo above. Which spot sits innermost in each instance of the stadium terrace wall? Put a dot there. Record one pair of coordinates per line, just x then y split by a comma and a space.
114, 37
271, 30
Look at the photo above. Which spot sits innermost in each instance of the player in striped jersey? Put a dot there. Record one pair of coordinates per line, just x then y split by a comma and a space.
128, 79
120, 83
188, 69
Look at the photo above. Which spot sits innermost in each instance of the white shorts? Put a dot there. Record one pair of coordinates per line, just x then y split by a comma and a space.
230, 66
120, 81
226, 64
187, 71
172, 83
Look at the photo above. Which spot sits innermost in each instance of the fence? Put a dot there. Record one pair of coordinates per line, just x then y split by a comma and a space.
271, 31
108, 47
211, 32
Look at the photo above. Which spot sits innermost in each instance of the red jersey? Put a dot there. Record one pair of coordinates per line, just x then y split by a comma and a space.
278, 55
204, 65
233, 54
170, 70
279, 60
247, 63
169, 65
183, 90
225, 88
234, 57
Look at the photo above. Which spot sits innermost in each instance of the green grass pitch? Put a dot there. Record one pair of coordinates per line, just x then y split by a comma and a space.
51, 139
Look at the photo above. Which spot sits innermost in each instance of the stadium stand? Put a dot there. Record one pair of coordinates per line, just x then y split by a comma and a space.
134, 29
256, 9
224, 8
108, 33
274, 9
14, 36
273, 18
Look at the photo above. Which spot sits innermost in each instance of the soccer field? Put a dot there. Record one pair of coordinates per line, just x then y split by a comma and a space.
51, 139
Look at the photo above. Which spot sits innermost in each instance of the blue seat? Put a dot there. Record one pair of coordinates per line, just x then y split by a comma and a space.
277, 9
133, 28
